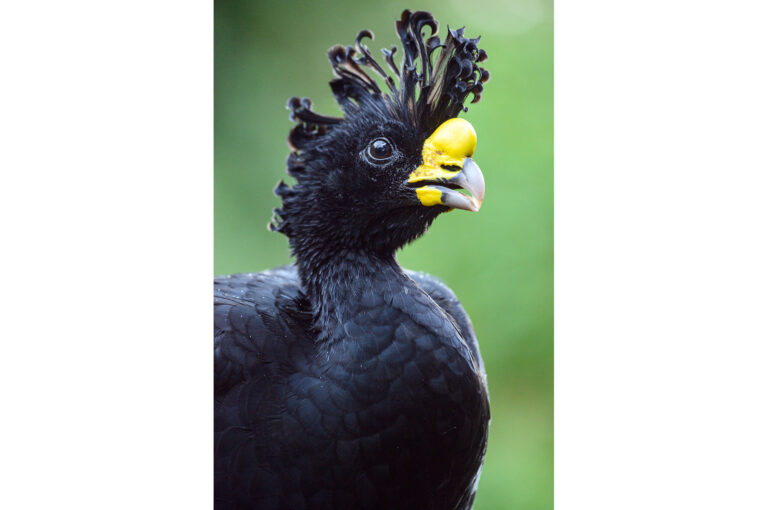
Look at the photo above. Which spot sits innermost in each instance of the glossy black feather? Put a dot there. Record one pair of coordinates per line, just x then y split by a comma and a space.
397, 421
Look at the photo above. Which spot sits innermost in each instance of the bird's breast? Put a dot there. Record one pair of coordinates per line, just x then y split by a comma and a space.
401, 408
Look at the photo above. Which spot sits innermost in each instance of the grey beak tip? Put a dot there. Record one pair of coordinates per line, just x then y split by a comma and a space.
471, 179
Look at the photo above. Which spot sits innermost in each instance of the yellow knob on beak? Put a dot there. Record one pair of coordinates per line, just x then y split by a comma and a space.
455, 140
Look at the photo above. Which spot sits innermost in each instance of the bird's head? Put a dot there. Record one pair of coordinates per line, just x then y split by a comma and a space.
376, 178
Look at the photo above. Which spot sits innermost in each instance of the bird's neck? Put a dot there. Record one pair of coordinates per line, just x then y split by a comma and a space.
350, 282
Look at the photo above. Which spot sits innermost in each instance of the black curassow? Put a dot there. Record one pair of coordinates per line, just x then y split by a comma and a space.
345, 381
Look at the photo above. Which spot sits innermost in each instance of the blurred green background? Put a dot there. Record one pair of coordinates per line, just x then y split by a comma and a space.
501, 259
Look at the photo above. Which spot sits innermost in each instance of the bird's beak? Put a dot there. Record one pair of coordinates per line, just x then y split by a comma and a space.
447, 166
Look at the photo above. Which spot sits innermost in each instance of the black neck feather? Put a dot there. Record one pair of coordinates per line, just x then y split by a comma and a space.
335, 288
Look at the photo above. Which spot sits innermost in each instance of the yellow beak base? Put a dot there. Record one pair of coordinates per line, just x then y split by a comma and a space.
446, 159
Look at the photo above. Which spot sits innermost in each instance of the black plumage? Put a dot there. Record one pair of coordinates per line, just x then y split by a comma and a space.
344, 381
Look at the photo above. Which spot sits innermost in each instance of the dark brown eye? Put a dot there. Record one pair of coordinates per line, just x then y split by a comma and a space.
380, 149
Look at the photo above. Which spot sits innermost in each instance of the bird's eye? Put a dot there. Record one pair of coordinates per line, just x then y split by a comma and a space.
380, 150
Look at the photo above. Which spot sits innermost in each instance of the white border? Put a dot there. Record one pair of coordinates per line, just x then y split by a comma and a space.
106, 206
660, 261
